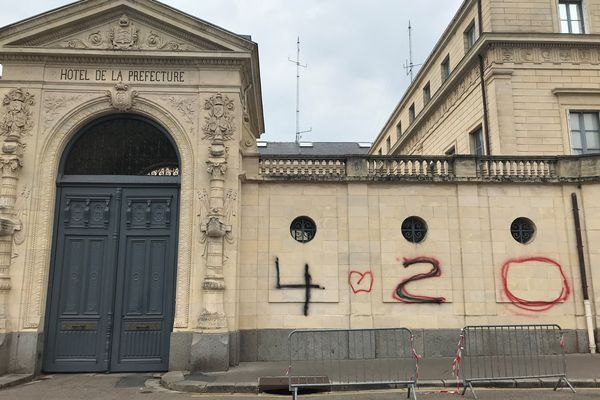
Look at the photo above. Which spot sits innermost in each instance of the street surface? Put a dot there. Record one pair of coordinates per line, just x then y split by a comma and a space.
132, 387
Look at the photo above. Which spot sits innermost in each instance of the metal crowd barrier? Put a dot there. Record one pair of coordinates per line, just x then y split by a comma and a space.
510, 352
346, 357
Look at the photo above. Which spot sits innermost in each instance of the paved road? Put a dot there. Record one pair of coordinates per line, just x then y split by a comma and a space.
131, 387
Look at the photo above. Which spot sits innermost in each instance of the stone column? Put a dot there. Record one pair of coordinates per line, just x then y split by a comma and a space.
210, 350
16, 122
10, 165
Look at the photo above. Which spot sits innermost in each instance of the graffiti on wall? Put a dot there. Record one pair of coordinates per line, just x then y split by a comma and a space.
534, 305
307, 285
360, 282
403, 295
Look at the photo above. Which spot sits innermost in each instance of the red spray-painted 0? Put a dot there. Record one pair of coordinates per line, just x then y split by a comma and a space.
534, 305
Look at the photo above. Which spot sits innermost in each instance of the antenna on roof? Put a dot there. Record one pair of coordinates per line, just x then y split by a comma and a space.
409, 65
298, 65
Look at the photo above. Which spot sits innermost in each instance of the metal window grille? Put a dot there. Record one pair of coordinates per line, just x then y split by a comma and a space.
571, 16
122, 145
522, 230
303, 229
414, 229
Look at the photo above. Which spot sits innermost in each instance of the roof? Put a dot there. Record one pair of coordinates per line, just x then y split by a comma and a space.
313, 148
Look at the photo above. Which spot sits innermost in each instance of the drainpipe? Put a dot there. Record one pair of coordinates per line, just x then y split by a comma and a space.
584, 286
486, 125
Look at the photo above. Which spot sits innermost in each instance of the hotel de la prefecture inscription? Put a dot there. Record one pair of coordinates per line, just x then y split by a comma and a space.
144, 227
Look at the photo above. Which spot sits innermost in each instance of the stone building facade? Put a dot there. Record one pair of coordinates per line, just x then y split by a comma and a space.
145, 228
514, 77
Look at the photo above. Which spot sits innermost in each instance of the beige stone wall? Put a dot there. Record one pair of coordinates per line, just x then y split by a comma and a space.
450, 121
531, 96
540, 16
524, 16
358, 229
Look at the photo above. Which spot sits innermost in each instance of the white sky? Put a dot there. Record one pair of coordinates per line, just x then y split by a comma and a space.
355, 51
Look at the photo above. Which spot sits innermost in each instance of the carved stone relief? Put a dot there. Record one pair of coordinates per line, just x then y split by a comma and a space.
545, 54
54, 105
219, 121
216, 210
186, 107
125, 35
16, 121
121, 97
20, 207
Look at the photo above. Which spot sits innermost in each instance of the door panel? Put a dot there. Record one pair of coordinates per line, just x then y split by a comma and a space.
145, 281
115, 253
78, 329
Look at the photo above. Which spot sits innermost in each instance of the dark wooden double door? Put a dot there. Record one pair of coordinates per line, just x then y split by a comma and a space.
110, 305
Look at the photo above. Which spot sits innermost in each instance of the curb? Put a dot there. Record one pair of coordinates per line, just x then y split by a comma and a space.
176, 381
10, 380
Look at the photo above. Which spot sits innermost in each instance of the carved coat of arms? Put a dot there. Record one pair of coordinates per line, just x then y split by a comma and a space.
219, 122
125, 35
17, 119
121, 97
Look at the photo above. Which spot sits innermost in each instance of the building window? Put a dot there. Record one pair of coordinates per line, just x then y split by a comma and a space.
451, 151
398, 130
445, 67
388, 144
571, 16
522, 230
303, 229
476, 141
470, 36
426, 93
380, 152
414, 229
411, 113
585, 132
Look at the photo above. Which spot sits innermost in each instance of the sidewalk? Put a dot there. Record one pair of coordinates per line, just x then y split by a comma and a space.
583, 370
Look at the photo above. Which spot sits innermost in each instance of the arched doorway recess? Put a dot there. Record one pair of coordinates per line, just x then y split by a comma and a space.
111, 292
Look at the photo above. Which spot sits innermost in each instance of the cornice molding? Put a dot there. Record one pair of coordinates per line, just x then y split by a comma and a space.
575, 91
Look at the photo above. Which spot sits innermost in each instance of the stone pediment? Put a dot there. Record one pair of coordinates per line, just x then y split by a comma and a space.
143, 25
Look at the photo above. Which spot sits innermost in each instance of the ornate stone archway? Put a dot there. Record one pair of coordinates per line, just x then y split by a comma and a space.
38, 257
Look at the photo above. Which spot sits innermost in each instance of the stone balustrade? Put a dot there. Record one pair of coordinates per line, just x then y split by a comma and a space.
302, 167
459, 168
410, 167
509, 167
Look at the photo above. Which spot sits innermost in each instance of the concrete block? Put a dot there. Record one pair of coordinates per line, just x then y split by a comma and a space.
440, 342
272, 345
179, 351
26, 354
171, 378
234, 348
248, 345
5, 340
583, 343
209, 352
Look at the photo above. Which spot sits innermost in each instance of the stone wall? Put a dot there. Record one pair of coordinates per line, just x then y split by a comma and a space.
359, 254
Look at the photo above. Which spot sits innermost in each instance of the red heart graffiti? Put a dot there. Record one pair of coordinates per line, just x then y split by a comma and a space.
360, 282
